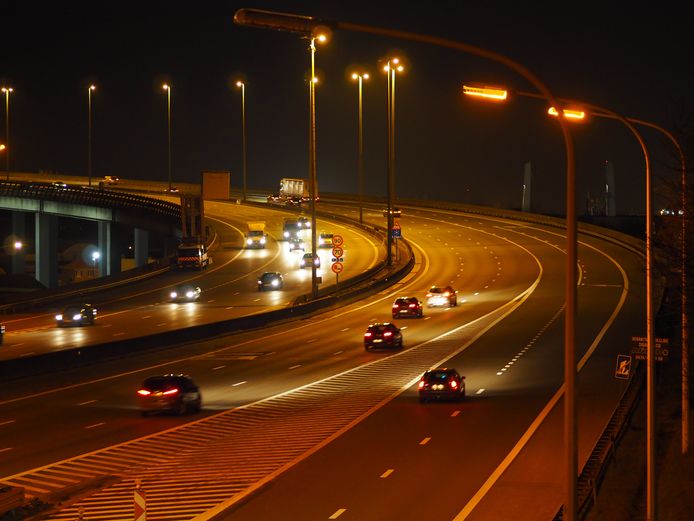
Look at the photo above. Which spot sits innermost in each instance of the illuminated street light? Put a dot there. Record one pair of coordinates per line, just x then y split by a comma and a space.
91, 89
18, 246
307, 25
7, 91
360, 77
392, 67
242, 86
568, 113
167, 88
492, 93
96, 255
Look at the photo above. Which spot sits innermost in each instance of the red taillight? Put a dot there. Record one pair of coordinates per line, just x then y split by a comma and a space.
421, 384
143, 392
413, 305
170, 391
368, 333
454, 384
387, 333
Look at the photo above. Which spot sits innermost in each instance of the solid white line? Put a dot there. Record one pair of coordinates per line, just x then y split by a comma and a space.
238, 383
387, 473
338, 513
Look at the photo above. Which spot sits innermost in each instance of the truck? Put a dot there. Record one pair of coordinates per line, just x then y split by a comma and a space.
292, 189
256, 236
192, 253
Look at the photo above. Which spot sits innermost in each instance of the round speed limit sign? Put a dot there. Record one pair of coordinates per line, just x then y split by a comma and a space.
338, 267
338, 240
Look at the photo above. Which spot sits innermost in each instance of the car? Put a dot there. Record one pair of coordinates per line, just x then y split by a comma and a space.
274, 199
60, 185
305, 261
175, 393
185, 293
171, 190
111, 179
270, 280
291, 229
294, 201
76, 315
382, 334
304, 222
2, 333
407, 307
325, 240
441, 383
296, 244
442, 296
395, 212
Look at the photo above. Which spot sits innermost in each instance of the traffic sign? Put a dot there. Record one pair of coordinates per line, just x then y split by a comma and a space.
640, 348
396, 224
338, 267
396, 233
338, 259
623, 369
338, 240
338, 252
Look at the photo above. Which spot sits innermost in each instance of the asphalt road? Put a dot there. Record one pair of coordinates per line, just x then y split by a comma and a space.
299, 422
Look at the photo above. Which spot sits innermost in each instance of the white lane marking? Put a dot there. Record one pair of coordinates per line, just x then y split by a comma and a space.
146, 316
229, 307
162, 324
256, 300
7, 422
5, 449
211, 301
107, 325
338, 513
238, 383
87, 402
95, 425
27, 354
387, 473
119, 334
454, 414
337, 353
425, 441
295, 366
480, 391
218, 367
427, 318
311, 341
477, 292
17, 345
343, 330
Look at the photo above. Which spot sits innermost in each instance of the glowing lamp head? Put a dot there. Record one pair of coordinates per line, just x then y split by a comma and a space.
492, 93
166, 86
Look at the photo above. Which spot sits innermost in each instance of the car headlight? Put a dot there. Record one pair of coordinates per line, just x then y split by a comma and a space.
76, 317
249, 241
286, 235
190, 294
59, 317
262, 241
173, 294
275, 282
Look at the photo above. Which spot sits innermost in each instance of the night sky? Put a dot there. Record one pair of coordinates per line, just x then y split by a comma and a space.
635, 62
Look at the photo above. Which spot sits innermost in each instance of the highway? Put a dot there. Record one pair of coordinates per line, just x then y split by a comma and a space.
228, 286
338, 431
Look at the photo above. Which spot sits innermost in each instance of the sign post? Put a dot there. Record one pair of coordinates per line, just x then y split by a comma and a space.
338, 252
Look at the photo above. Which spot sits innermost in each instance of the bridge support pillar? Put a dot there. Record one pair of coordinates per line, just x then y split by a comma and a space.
46, 240
109, 263
19, 234
141, 239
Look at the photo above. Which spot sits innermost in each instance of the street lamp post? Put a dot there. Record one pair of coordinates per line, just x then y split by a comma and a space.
307, 25
242, 86
392, 67
7, 91
167, 88
91, 89
360, 77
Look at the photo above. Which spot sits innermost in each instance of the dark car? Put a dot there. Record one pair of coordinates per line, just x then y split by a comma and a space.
442, 296
274, 199
270, 280
407, 307
290, 229
176, 393
76, 315
382, 334
395, 212
296, 244
304, 222
185, 293
294, 201
441, 383
305, 261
